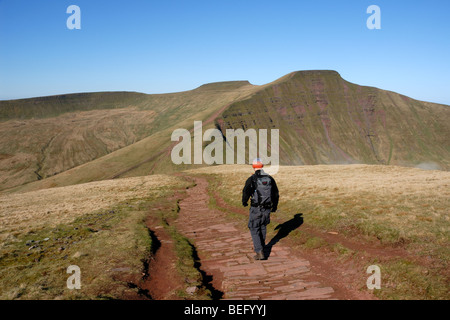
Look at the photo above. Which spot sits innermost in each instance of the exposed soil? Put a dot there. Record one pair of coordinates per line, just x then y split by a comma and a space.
161, 278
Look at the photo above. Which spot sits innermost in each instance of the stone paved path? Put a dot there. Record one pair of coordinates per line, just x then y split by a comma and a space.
226, 253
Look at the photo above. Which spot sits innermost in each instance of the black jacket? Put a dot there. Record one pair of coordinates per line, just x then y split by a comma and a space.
249, 189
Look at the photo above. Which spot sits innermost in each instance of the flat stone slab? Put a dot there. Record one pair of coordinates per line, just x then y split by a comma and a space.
226, 253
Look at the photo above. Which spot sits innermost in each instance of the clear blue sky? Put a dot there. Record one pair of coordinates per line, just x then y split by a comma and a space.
167, 46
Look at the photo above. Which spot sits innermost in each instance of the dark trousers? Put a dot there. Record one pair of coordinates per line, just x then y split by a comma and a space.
259, 218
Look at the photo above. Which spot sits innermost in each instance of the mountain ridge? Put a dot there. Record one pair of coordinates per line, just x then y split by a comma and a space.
316, 103
322, 118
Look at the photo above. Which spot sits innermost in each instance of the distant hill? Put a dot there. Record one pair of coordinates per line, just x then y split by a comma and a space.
52, 106
68, 139
322, 118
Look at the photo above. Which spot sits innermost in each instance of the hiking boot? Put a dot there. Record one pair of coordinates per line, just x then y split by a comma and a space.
259, 256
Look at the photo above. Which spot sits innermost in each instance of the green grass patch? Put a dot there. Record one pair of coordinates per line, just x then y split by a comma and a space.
34, 265
315, 243
405, 280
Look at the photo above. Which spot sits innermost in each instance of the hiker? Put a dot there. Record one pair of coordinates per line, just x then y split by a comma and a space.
263, 191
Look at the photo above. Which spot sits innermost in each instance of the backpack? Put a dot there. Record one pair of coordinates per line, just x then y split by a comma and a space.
262, 195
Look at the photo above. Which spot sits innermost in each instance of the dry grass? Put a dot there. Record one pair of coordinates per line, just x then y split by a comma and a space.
412, 200
22, 212
371, 206
335, 180
52, 145
98, 226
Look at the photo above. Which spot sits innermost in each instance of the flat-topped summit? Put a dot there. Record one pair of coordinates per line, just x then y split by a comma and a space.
224, 85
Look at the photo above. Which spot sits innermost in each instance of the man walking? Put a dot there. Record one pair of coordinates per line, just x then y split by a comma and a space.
263, 191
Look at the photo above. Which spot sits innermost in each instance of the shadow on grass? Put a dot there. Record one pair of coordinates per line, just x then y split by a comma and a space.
283, 231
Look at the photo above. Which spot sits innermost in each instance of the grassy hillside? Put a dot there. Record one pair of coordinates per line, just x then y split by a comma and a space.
323, 119
52, 106
139, 130
35, 149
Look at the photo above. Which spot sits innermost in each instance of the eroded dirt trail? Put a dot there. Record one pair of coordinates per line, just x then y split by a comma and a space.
161, 279
226, 254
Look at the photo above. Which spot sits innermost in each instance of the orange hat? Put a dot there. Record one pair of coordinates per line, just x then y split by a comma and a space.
257, 164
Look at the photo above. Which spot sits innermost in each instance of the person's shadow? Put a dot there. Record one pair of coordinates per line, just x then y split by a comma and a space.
283, 231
